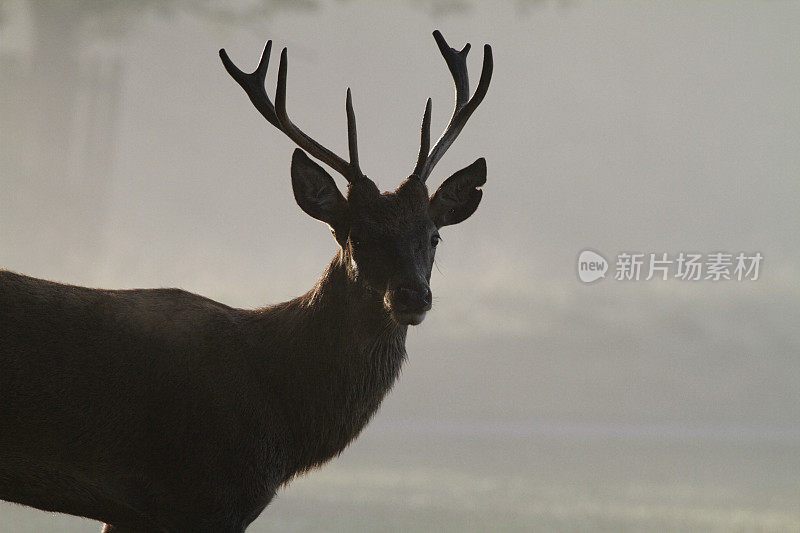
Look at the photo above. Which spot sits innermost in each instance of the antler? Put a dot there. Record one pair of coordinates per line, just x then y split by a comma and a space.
253, 85
457, 63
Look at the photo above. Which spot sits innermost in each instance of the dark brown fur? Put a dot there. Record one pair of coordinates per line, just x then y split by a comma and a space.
159, 409
132, 406
162, 410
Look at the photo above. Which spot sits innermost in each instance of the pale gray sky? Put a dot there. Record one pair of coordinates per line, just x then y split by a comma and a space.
131, 159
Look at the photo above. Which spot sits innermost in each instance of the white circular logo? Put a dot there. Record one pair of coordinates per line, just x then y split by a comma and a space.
591, 266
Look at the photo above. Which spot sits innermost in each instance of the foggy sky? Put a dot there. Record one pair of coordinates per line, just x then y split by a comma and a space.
133, 160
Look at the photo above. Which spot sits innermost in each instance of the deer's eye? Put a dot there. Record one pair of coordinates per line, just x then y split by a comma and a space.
435, 239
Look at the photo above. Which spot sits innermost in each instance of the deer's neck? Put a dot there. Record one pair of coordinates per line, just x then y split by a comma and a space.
336, 356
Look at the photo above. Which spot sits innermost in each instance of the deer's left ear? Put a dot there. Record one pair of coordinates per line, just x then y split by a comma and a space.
458, 197
316, 192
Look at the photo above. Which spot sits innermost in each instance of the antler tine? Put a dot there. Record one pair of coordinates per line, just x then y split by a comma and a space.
304, 141
425, 140
352, 137
253, 85
464, 106
457, 64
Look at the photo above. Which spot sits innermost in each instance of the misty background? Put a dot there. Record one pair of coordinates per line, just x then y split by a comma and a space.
530, 401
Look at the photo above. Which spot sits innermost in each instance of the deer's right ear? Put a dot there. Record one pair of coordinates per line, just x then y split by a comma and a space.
458, 197
316, 192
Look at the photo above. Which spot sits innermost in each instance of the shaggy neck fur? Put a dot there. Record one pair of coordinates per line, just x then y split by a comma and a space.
332, 355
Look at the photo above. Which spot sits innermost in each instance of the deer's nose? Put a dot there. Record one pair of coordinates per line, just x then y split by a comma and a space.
413, 298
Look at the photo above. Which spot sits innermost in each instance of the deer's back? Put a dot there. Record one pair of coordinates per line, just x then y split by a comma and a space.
94, 383
55, 337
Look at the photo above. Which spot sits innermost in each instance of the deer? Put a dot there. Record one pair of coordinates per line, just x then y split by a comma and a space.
163, 410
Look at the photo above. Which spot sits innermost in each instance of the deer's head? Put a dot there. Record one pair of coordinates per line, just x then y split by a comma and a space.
389, 239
